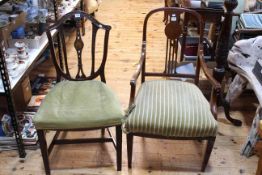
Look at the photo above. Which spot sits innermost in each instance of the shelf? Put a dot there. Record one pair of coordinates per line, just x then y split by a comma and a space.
12, 83
34, 54
70, 8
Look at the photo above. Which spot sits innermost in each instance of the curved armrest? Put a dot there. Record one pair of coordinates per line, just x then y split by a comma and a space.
139, 66
216, 86
204, 67
136, 74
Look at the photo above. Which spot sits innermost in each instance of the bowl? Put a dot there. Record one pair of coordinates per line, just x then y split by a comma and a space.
20, 45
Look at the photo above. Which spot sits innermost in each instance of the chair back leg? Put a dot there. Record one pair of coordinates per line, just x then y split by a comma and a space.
44, 151
129, 138
209, 147
119, 148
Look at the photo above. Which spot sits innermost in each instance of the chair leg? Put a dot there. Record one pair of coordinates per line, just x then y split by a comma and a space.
210, 144
129, 138
44, 151
119, 148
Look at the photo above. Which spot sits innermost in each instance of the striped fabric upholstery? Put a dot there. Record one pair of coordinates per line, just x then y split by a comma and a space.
171, 108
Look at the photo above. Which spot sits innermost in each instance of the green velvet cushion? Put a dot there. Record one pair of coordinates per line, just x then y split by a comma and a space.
79, 104
171, 108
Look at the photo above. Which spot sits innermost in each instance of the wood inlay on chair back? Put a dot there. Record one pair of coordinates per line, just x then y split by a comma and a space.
176, 32
63, 53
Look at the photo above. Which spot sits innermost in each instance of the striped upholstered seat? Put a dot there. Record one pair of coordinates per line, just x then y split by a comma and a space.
171, 108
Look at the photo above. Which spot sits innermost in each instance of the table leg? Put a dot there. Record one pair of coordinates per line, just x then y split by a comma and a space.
223, 48
235, 89
259, 165
223, 40
253, 135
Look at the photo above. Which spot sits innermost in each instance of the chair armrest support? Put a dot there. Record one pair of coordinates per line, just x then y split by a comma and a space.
207, 73
215, 94
136, 74
216, 86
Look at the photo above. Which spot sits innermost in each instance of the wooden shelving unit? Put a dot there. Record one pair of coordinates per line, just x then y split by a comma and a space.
8, 84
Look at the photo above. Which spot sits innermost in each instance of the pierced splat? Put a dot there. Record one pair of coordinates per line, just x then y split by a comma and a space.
79, 45
80, 72
171, 56
173, 29
93, 50
173, 32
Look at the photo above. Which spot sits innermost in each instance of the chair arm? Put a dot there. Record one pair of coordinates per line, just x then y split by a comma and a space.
212, 80
136, 74
216, 86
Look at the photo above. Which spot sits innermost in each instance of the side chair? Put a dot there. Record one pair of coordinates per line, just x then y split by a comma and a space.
79, 101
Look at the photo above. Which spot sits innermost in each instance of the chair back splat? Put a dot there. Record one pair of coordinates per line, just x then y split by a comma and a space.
61, 58
176, 31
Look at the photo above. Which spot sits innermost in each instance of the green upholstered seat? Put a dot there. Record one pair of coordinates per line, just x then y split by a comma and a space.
171, 108
79, 104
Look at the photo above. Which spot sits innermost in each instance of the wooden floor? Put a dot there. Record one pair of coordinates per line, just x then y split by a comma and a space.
150, 156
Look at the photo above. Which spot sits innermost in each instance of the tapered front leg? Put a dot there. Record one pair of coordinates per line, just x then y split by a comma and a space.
44, 151
119, 148
209, 148
129, 138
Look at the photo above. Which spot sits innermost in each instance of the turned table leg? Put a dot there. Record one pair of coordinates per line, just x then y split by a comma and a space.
235, 89
259, 165
223, 48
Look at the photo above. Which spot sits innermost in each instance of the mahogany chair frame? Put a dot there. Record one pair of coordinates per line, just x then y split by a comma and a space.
62, 69
200, 63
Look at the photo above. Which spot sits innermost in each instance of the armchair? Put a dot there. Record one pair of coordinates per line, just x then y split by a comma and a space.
167, 108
